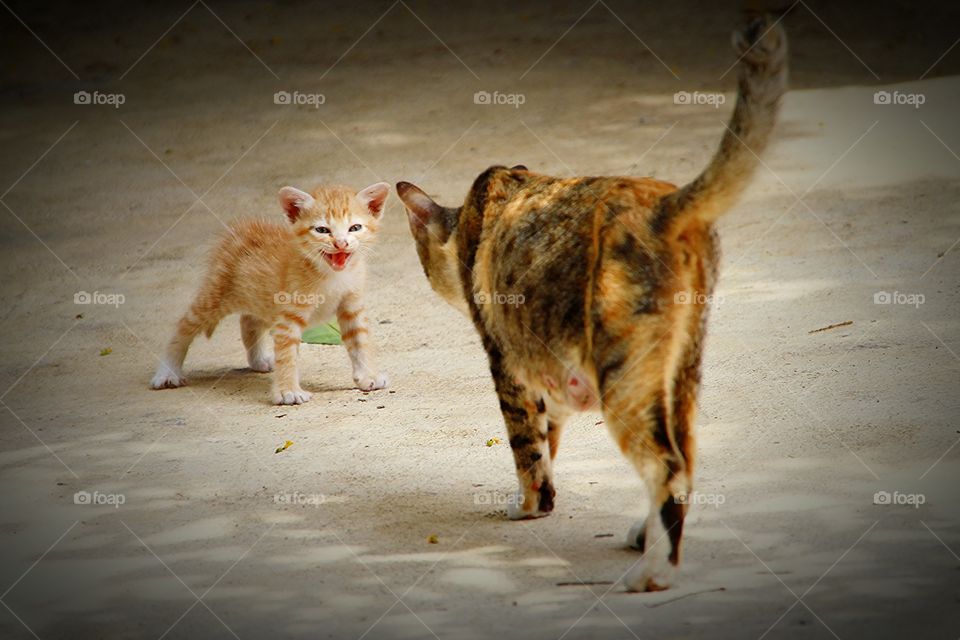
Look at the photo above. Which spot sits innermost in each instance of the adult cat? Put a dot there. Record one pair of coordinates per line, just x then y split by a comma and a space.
594, 291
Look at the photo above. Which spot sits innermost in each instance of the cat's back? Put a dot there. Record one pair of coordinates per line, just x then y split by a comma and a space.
527, 213
253, 238
543, 236
551, 245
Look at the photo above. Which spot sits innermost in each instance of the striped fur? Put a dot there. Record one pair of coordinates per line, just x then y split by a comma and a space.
593, 292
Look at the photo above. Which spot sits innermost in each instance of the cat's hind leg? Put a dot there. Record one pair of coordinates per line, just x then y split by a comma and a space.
556, 417
204, 315
525, 415
254, 332
640, 420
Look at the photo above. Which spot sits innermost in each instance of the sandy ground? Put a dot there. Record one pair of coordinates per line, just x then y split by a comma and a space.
218, 536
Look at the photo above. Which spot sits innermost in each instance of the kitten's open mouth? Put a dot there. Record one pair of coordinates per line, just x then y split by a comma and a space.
337, 260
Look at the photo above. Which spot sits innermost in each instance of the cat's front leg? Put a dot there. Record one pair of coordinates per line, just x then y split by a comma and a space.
355, 334
286, 348
525, 415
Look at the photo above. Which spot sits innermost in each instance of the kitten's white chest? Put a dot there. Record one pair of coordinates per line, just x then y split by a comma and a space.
335, 288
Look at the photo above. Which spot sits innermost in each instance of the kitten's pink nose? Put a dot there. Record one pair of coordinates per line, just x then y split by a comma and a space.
340, 244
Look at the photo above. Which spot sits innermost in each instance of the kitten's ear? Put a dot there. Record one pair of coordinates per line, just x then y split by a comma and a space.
373, 197
294, 202
420, 207
519, 167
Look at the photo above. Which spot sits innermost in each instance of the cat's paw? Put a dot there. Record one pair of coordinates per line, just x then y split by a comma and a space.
637, 536
167, 378
262, 364
372, 382
291, 396
517, 509
650, 575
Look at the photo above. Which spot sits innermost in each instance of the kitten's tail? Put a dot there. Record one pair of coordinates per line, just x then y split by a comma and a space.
762, 46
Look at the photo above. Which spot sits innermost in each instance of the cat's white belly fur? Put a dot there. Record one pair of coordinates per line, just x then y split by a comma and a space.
339, 284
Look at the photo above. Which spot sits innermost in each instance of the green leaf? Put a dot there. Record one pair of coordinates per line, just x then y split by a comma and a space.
322, 334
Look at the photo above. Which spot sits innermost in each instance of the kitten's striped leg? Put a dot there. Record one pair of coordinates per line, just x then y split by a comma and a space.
356, 338
202, 316
526, 420
254, 333
286, 349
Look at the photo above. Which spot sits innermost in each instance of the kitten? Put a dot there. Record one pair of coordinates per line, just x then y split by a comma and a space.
593, 292
284, 277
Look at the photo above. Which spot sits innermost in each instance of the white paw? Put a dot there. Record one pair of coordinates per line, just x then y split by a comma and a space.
650, 575
167, 378
292, 396
372, 382
262, 364
516, 510
636, 535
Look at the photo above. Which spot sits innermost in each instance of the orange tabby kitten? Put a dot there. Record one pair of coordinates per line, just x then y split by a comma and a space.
284, 277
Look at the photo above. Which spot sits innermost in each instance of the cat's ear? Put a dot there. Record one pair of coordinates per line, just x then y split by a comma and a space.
373, 198
294, 202
420, 207
519, 167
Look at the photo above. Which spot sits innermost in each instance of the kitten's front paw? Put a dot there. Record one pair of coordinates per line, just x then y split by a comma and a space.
372, 382
167, 378
292, 396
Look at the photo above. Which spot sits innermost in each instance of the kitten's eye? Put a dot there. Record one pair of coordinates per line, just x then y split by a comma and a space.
356, 227
322, 230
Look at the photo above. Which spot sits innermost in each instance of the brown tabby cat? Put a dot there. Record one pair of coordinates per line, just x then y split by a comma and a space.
591, 291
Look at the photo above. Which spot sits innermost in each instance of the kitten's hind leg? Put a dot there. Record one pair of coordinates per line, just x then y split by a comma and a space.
526, 421
199, 318
255, 341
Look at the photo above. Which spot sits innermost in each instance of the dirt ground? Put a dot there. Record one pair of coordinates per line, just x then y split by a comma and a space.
828, 461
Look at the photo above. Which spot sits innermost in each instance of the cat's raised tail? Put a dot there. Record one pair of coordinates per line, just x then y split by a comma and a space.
762, 47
